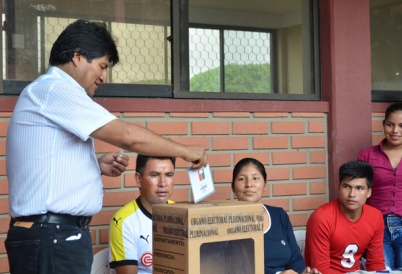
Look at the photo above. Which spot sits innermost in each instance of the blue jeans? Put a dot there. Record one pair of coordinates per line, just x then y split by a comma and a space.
393, 241
49, 249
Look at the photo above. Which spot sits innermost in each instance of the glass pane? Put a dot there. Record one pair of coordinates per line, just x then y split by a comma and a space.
247, 61
140, 28
267, 45
204, 60
386, 38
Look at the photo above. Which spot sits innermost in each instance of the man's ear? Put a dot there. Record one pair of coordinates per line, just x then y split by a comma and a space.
76, 58
137, 178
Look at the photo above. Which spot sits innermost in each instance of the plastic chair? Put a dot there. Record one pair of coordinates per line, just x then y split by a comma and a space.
100, 264
300, 236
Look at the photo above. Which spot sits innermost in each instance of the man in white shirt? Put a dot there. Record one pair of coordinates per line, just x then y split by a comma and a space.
54, 177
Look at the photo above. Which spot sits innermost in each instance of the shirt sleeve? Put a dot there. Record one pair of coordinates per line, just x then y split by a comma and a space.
317, 250
122, 244
374, 251
73, 110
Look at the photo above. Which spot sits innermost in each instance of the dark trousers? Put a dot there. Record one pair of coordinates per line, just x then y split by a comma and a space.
46, 248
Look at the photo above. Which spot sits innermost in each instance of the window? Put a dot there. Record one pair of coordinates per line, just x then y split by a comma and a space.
386, 38
177, 48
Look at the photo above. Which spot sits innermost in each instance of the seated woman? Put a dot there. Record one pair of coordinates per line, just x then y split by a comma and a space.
281, 252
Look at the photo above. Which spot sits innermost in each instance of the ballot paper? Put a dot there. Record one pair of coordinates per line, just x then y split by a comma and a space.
202, 184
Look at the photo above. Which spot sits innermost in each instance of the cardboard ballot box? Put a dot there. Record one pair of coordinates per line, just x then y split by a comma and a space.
213, 237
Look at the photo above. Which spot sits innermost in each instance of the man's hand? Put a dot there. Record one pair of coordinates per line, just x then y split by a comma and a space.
310, 270
113, 164
196, 155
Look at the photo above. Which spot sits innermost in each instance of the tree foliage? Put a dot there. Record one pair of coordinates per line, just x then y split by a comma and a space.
251, 78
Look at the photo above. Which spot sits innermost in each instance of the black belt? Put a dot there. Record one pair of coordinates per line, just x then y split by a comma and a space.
54, 218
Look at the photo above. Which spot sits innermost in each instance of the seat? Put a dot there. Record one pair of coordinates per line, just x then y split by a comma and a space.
300, 236
100, 264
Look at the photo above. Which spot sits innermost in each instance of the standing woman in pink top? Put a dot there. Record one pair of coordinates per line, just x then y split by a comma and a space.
387, 183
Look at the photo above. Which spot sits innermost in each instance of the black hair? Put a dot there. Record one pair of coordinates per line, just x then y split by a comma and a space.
90, 39
143, 159
391, 109
245, 162
356, 169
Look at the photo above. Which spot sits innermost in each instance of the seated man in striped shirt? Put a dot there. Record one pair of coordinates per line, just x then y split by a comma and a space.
130, 238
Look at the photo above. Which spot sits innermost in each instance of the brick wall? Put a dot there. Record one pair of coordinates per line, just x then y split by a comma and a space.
292, 146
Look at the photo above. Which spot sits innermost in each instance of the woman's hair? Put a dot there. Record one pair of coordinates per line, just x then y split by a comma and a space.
245, 162
392, 108
90, 39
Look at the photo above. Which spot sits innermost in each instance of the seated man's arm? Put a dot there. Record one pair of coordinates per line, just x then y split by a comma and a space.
374, 251
317, 250
126, 269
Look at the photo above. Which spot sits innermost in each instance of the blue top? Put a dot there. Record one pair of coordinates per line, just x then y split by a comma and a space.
281, 251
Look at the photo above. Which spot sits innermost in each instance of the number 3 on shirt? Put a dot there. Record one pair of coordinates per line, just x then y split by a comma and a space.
348, 255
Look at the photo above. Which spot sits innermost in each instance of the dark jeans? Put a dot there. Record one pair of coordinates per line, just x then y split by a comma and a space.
49, 249
393, 241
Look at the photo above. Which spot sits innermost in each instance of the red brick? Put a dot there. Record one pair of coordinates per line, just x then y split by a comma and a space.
318, 188
4, 267
222, 176
318, 157
103, 217
250, 128
276, 174
119, 198
111, 182
3, 186
193, 141
378, 114
270, 114
3, 167
144, 114
260, 142
104, 235
3, 129
307, 114
210, 128
103, 147
231, 114
2, 147
2, 247
180, 163
289, 157
4, 224
131, 162
171, 128
307, 203
289, 189
229, 143
309, 172
299, 219
180, 195
316, 127
376, 139
181, 177
287, 127
308, 141
129, 180
263, 157
376, 125
189, 114
5, 114
221, 159
283, 203
221, 193
4, 206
